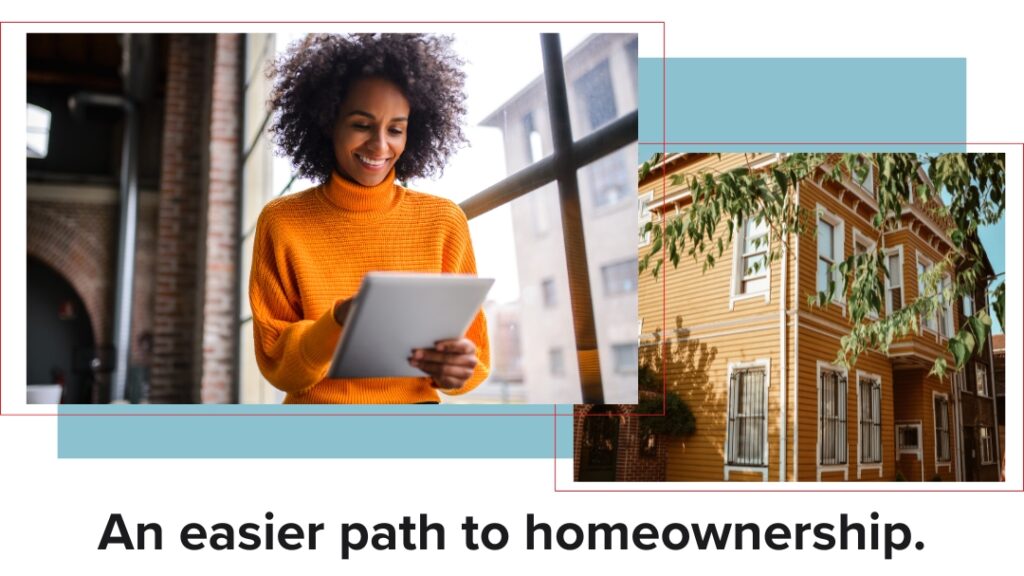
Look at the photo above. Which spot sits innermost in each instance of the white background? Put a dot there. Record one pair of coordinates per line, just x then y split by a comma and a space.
52, 512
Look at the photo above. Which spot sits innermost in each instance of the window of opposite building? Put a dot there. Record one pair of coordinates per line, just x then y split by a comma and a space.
832, 444
547, 289
619, 277
626, 358
747, 427
556, 362
981, 379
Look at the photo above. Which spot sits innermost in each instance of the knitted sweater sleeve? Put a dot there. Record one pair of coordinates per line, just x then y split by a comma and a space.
293, 353
459, 259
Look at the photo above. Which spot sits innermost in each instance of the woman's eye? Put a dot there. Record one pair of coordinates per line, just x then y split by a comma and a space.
397, 131
360, 126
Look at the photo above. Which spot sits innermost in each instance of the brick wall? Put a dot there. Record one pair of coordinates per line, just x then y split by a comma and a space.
220, 314
630, 464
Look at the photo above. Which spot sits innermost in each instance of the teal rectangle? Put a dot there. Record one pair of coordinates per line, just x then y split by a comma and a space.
231, 431
803, 104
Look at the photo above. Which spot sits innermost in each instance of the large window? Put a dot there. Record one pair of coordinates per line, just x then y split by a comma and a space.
941, 429
945, 309
830, 253
832, 445
627, 360
894, 280
547, 289
748, 425
924, 266
619, 278
870, 408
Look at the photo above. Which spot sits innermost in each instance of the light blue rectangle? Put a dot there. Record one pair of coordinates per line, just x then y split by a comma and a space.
223, 431
791, 104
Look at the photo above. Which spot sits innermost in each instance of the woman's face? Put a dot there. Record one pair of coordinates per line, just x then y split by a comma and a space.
370, 132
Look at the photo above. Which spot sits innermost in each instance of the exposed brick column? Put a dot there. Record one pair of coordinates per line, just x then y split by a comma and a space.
220, 293
175, 301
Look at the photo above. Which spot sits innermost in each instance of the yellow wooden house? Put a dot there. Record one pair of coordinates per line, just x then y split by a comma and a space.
755, 361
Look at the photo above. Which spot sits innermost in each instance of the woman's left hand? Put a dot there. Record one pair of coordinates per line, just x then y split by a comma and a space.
449, 363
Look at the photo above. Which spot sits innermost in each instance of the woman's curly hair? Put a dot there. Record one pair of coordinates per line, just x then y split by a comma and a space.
312, 78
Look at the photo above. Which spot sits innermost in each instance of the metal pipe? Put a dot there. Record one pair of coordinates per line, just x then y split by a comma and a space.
597, 144
572, 222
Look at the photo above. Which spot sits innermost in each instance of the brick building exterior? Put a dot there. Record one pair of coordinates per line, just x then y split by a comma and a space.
185, 288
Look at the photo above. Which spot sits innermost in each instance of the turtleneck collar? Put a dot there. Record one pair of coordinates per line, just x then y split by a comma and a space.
363, 201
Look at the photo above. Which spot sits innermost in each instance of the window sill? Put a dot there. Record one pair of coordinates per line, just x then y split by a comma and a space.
766, 294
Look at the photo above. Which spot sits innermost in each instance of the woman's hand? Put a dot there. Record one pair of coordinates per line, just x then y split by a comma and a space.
449, 363
341, 311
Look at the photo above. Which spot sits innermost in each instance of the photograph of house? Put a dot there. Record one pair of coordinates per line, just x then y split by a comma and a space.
751, 340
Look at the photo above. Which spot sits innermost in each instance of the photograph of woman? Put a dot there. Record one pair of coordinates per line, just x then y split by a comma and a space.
359, 114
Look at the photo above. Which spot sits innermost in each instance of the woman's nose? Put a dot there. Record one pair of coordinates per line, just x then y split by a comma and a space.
378, 140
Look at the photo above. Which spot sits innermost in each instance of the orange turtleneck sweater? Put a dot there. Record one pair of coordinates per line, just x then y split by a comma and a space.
312, 250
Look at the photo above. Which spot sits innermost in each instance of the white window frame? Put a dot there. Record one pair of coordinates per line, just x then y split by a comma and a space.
949, 433
985, 445
917, 451
738, 275
825, 468
861, 465
838, 253
889, 309
926, 263
871, 246
645, 215
945, 322
967, 302
982, 390
763, 364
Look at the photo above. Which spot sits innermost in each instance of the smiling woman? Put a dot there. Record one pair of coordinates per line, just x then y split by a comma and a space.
358, 114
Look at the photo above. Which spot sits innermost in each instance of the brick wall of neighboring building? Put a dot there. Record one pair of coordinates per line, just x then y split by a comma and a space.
175, 298
631, 465
220, 292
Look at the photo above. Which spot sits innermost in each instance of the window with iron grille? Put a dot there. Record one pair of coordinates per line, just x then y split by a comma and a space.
908, 438
832, 443
941, 429
748, 425
870, 421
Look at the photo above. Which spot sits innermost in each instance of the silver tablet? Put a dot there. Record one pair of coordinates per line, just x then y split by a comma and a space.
395, 312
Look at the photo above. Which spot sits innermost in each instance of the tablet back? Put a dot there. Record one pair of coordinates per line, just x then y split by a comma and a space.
396, 312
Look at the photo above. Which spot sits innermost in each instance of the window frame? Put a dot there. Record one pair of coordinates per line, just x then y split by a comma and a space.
889, 309
869, 246
986, 449
763, 365
644, 216
876, 382
947, 459
838, 253
924, 265
982, 390
739, 254
842, 439
918, 450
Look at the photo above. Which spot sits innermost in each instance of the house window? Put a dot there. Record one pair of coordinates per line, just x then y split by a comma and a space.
594, 92
748, 425
830, 252
894, 281
752, 272
619, 278
981, 379
832, 418
627, 359
908, 439
556, 362
861, 247
968, 304
985, 441
941, 429
945, 310
547, 288
870, 398
923, 267
644, 216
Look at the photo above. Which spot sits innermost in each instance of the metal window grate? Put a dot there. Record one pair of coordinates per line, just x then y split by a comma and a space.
941, 429
748, 426
833, 449
870, 421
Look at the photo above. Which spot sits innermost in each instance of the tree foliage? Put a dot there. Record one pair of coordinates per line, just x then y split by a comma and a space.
961, 191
